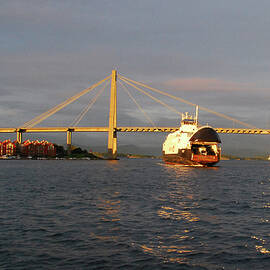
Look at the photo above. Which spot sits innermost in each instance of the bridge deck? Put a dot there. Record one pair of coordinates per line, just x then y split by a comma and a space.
173, 129
128, 129
54, 129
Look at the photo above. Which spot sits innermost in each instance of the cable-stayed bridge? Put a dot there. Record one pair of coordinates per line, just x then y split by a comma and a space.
112, 128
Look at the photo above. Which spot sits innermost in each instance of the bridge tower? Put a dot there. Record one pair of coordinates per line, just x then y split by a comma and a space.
112, 134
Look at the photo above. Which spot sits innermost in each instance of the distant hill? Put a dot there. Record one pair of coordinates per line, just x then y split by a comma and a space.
244, 152
127, 149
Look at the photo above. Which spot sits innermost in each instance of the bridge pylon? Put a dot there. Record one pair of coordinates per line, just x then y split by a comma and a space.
112, 133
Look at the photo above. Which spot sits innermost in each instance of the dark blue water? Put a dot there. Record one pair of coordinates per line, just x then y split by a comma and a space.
134, 214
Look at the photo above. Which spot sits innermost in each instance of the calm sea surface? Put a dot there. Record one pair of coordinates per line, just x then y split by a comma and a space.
134, 214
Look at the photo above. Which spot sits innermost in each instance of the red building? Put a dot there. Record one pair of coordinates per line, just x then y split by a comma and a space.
37, 149
8, 148
28, 148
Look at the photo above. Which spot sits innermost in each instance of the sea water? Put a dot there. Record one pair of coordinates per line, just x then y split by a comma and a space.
134, 214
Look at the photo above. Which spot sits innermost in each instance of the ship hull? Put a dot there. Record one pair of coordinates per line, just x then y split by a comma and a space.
187, 158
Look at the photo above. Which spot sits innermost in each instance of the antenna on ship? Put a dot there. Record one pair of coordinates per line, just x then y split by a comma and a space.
197, 114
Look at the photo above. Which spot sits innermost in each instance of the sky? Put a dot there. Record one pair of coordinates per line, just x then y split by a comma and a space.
212, 53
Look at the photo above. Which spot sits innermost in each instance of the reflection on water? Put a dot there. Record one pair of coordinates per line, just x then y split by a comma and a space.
178, 201
171, 213
260, 246
114, 164
167, 253
178, 171
109, 210
267, 205
262, 250
104, 237
185, 171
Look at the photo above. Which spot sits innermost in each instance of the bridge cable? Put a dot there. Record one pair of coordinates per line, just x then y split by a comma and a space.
137, 104
55, 109
88, 106
155, 99
60, 106
188, 102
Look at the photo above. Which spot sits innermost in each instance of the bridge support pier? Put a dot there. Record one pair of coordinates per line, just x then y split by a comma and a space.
69, 141
112, 151
112, 134
19, 137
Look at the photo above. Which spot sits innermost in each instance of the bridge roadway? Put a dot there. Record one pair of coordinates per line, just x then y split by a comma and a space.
127, 129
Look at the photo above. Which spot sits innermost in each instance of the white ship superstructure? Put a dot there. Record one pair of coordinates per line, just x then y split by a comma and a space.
180, 138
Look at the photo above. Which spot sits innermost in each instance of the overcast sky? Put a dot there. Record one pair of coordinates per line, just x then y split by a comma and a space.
212, 53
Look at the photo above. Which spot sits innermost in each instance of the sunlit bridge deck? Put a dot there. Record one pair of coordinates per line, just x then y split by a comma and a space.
243, 131
128, 129
54, 129
173, 129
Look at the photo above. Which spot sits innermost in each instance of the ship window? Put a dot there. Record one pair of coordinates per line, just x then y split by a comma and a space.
188, 122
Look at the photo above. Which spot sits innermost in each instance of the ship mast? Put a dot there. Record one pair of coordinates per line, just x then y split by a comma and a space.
197, 115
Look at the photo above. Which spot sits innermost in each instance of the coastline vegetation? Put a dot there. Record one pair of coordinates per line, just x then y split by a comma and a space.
233, 157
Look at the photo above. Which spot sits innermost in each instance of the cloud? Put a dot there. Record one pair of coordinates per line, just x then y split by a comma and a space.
206, 84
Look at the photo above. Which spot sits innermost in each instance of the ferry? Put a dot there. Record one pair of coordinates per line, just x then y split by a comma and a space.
192, 144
